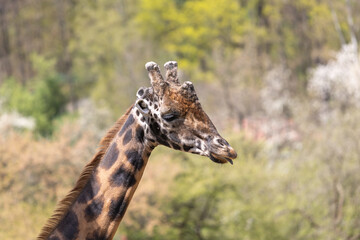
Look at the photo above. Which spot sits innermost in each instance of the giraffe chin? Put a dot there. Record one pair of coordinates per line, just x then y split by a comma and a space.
220, 159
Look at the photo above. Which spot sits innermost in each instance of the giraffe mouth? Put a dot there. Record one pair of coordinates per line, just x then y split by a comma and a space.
220, 159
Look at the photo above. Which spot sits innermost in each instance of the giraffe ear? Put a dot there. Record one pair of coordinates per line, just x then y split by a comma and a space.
143, 107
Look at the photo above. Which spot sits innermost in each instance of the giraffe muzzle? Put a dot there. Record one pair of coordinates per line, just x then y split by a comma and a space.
221, 151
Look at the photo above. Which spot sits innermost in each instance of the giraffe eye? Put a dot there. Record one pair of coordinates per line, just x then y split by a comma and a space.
170, 116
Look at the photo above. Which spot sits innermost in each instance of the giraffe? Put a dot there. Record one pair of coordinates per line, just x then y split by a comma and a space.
167, 113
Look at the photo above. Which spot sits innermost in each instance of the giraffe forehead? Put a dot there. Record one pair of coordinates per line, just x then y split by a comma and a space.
177, 99
189, 106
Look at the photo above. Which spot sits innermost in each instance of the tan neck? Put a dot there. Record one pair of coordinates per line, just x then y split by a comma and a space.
101, 205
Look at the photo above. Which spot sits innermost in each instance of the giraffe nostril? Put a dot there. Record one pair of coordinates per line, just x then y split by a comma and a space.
222, 142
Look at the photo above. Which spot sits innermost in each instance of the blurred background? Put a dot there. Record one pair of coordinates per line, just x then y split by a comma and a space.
279, 78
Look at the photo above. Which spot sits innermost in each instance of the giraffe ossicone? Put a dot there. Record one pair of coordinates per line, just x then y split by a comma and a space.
166, 113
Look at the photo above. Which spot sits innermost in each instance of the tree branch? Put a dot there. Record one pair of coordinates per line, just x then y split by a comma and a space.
351, 24
337, 25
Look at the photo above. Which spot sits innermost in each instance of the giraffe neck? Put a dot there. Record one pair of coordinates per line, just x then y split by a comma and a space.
101, 205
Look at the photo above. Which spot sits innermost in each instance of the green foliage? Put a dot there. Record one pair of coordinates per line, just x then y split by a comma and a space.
49, 99
191, 36
16, 97
42, 98
96, 47
212, 202
100, 47
290, 31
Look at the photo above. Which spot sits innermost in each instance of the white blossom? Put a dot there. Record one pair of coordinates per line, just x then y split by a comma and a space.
339, 80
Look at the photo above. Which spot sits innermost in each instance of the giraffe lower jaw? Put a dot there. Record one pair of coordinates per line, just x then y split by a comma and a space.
220, 159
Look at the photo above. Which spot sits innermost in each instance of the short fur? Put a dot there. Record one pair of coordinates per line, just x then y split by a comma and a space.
65, 204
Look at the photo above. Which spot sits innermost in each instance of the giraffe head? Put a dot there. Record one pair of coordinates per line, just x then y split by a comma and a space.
171, 115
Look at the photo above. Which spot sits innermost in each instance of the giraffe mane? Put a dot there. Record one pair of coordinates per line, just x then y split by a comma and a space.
64, 205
